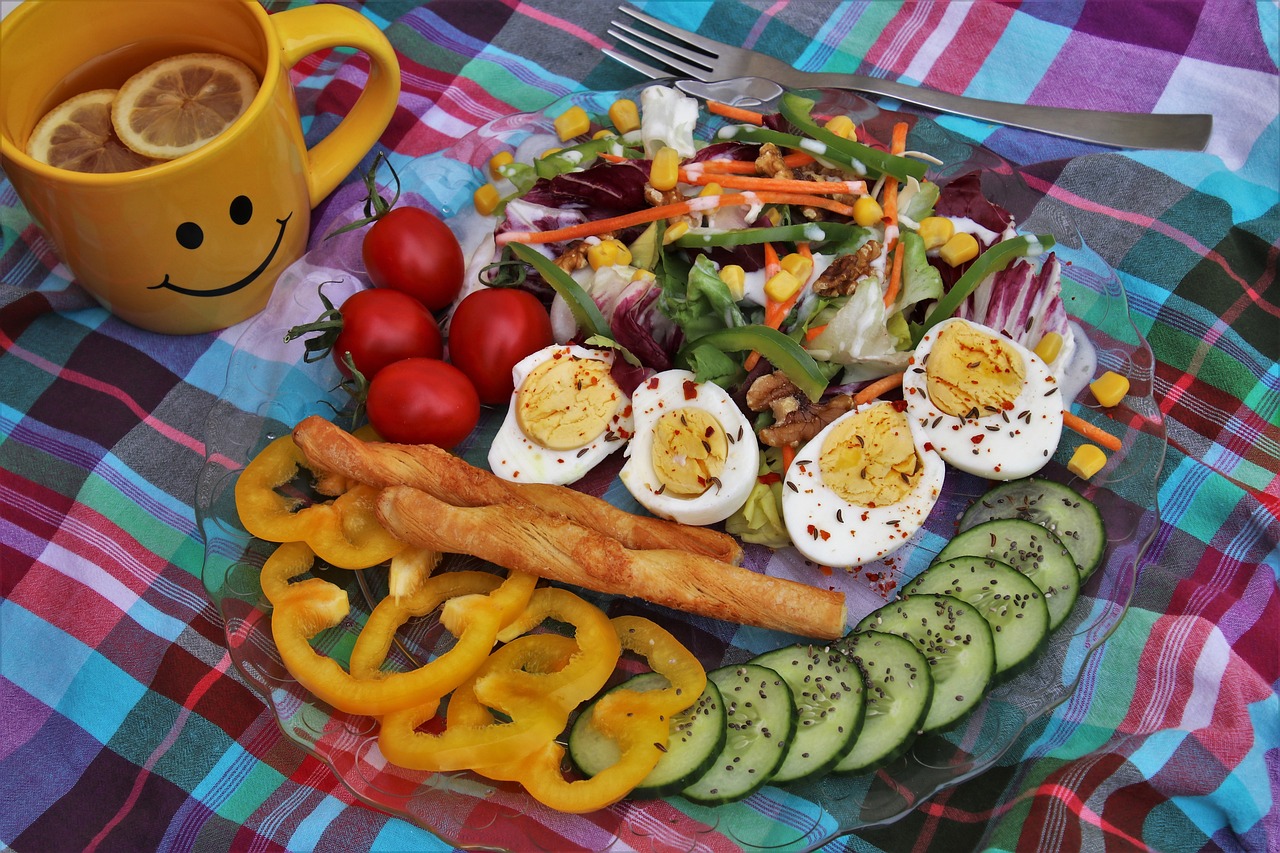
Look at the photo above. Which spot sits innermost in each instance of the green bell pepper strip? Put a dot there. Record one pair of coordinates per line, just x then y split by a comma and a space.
577, 156
781, 351
584, 308
798, 110
991, 261
809, 232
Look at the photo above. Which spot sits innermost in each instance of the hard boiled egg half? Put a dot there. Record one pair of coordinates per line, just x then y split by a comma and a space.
566, 415
694, 457
859, 489
988, 405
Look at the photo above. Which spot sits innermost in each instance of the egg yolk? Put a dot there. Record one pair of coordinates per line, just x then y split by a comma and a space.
689, 451
567, 402
972, 371
869, 458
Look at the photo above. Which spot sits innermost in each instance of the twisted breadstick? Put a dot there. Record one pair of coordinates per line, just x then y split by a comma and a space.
454, 481
521, 537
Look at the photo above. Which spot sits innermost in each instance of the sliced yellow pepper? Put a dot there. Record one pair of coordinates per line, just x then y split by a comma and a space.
344, 532
305, 608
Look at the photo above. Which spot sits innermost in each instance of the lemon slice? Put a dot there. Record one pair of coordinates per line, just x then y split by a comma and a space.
77, 135
176, 105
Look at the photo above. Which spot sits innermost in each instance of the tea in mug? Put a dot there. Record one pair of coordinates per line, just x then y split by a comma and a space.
170, 108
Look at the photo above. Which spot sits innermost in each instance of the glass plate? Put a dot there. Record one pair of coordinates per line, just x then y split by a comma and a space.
269, 389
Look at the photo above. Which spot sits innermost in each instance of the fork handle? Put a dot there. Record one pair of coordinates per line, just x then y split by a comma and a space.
1173, 131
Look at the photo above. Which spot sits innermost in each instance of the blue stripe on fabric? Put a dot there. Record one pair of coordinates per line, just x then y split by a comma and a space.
39, 658
1025, 44
830, 36
398, 835
209, 371
100, 697
309, 832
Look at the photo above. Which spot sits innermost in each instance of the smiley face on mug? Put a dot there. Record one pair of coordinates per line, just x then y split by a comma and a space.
236, 226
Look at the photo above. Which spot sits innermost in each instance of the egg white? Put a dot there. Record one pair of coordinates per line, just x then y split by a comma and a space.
832, 531
515, 456
671, 390
997, 445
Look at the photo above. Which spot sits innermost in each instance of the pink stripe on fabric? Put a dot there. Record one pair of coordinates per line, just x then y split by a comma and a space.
162, 747
906, 33
955, 68
558, 23
1156, 225
757, 29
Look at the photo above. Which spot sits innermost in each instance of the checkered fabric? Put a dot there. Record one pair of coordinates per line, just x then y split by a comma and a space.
125, 725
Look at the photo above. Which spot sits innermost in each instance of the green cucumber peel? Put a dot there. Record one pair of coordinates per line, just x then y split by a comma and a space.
584, 308
780, 350
799, 111
991, 261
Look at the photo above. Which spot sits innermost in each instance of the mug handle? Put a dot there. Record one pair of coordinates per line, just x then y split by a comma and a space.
309, 29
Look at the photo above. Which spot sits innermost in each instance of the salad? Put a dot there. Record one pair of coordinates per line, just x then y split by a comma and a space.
788, 280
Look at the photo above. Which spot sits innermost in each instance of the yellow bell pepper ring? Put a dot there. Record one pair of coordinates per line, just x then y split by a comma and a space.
474, 737
305, 608
344, 532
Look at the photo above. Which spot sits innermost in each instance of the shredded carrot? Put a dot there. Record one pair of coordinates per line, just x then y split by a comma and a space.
875, 389
895, 275
774, 312
1091, 432
813, 331
666, 211
788, 456
737, 113
748, 167
897, 144
750, 182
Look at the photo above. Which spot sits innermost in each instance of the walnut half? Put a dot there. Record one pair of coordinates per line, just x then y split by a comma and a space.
796, 418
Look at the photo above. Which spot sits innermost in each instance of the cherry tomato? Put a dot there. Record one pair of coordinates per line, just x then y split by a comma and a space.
422, 401
383, 326
409, 249
492, 329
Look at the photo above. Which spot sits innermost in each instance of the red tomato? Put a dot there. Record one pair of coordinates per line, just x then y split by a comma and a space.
493, 328
383, 326
422, 401
409, 249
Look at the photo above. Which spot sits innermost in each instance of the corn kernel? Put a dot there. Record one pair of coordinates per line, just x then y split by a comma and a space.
841, 126
550, 151
664, 171
1049, 347
774, 216
572, 122
711, 189
486, 199
603, 133
497, 161
625, 115
867, 211
781, 286
1087, 461
734, 278
936, 231
643, 275
960, 248
1109, 388
798, 265
674, 232
606, 253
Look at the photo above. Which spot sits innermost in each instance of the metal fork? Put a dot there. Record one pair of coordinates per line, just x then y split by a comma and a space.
708, 60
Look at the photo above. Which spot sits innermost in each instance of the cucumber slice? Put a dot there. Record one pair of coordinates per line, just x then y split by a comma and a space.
1073, 518
899, 689
760, 719
827, 689
955, 640
1010, 601
697, 737
1029, 548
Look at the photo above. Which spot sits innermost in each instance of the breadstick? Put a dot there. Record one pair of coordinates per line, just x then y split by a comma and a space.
453, 480
524, 538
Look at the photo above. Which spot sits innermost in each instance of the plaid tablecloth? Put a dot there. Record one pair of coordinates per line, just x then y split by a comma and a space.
123, 725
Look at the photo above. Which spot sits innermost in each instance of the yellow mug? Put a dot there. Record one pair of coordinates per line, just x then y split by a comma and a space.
193, 244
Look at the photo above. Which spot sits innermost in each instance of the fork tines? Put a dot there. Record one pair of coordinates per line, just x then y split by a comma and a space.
688, 59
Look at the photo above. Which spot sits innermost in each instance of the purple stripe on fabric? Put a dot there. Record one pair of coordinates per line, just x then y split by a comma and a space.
46, 769
1105, 75
1163, 25
25, 715
1234, 38
1064, 13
